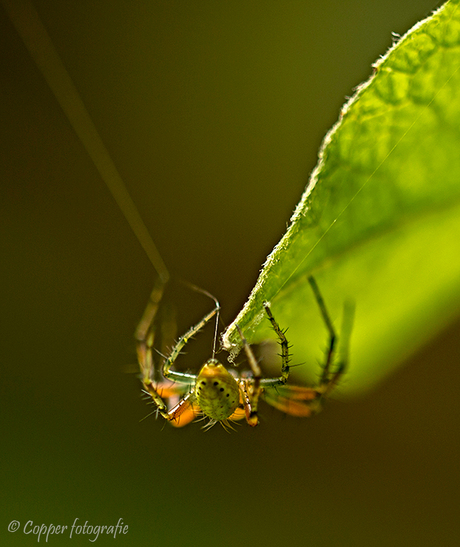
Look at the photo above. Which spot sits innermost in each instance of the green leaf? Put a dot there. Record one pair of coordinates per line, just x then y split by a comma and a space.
379, 222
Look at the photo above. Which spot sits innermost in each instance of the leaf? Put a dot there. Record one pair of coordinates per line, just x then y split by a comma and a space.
379, 222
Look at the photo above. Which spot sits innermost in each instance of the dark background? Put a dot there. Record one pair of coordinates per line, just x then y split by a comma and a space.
213, 113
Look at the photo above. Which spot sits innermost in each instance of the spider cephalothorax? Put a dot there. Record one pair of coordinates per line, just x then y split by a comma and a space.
216, 391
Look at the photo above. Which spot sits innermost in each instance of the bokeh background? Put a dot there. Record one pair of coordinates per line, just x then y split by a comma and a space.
213, 113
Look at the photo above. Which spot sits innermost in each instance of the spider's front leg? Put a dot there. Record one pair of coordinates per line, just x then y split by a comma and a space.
169, 362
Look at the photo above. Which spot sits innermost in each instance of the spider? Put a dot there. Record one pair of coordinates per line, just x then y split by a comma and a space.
220, 394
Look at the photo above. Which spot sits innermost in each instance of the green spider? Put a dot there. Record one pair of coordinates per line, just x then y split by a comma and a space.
221, 394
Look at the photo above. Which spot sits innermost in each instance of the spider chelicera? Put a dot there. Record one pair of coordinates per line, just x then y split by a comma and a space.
220, 394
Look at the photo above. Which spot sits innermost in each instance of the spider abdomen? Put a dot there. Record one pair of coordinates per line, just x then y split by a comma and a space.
216, 391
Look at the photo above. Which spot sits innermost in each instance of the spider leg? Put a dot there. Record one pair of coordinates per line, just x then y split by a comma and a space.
250, 388
347, 324
325, 376
285, 356
184, 411
145, 337
329, 380
294, 400
169, 361
145, 334
181, 413
307, 401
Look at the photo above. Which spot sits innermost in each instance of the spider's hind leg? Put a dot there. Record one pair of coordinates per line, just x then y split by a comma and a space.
145, 337
169, 399
329, 379
145, 333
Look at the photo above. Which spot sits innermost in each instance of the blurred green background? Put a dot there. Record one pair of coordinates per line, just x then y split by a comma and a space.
213, 113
